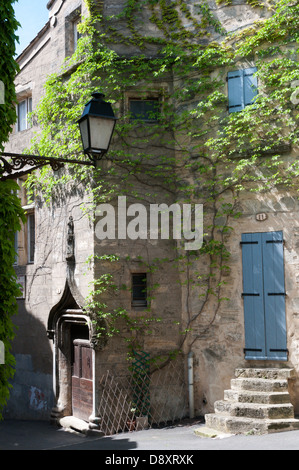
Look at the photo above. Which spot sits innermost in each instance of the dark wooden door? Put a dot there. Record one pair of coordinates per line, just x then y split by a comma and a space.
82, 379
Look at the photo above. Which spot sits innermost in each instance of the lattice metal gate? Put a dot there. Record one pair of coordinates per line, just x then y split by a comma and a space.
141, 400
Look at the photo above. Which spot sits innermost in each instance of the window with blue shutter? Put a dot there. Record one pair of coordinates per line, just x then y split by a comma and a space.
242, 88
264, 296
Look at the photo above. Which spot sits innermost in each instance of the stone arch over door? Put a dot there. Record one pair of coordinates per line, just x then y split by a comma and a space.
65, 317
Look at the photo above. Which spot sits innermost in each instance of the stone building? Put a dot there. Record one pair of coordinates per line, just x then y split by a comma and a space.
62, 369
32, 395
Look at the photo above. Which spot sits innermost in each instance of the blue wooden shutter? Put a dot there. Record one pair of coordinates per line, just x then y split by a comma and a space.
253, 296
250, 85
274, 295
264, 296
235, 91
242, 88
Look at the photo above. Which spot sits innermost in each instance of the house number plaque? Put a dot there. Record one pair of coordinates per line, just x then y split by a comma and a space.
260, 217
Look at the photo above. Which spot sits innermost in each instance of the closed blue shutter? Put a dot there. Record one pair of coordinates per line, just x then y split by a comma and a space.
274, 289
235, 91
242, 88
250, 85
253, 296
264, 296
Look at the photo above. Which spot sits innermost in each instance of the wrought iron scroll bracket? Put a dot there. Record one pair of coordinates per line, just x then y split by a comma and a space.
11, 163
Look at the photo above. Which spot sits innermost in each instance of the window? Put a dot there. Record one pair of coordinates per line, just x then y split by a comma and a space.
145, 110
31, 237
24, 240
76, 33
139, 290
16, 247
23, 109
72, 34
242, 88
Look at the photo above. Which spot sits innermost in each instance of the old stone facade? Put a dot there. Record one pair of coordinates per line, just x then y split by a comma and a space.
55, 330
41, 267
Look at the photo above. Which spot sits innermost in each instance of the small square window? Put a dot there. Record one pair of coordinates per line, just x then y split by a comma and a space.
147, 110
139, 290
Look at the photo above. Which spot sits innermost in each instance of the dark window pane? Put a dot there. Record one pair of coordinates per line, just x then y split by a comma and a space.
31, 238
145, 110
139, 290
22, 116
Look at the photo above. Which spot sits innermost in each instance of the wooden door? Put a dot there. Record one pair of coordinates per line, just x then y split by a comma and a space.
264, 296
82, 394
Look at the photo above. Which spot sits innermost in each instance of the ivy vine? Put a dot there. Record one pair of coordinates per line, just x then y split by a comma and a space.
11, 212
197, 151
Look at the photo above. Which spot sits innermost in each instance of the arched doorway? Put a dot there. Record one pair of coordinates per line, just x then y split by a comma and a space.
73, 360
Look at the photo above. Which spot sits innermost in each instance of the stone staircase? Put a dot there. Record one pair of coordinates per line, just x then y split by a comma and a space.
257, 403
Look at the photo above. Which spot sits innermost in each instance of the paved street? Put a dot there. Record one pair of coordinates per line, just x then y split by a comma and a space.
24, 435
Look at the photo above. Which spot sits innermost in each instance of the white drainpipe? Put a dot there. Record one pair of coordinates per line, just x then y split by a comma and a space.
190, 384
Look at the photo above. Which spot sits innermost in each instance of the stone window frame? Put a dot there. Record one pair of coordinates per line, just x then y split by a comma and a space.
23, 237
71, 22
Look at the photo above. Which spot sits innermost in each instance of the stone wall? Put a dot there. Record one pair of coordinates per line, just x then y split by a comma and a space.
217, 336
218, 332
32, 392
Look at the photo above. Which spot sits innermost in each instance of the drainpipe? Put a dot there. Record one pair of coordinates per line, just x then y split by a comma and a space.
190, 384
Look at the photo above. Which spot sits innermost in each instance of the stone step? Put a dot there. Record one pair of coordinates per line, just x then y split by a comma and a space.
257, 403
73, 424
240, 425
254, 410
263, 385
76, 424
265, 373
247, 396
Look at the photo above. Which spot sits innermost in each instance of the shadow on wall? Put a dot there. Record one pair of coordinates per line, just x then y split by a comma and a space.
31, 395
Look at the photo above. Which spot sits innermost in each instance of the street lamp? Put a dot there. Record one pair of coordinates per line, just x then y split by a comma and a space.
96, 126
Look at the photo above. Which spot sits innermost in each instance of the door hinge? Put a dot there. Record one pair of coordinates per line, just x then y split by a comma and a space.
279, 350
252, 350
249, 243
249, 294
277, 293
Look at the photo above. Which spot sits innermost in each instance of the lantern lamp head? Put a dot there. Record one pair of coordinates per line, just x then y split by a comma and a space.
96, 126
